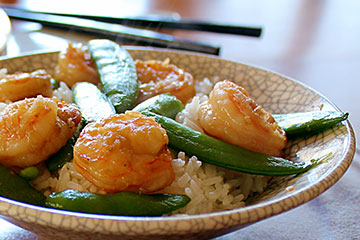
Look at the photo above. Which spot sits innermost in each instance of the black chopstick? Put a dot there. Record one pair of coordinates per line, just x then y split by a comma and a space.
113, 31
149, 22
181, 24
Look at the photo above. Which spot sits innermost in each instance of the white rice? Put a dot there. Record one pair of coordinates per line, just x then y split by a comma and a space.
63, 92
205, 86
210, 188
189, 116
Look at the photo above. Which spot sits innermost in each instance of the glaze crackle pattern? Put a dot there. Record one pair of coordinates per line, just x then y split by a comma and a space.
278, 94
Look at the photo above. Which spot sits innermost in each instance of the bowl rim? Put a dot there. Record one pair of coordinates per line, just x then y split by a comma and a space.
326, 181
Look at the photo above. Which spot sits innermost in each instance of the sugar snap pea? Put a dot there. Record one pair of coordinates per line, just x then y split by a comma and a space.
117, 72
122, 203
93, 104
308, 123
64, 155
163, 104
219, 153
14, 187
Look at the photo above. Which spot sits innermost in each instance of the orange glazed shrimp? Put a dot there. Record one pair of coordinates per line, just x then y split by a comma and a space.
125, 152
33, 129
18, 86
157, 77
75, 65
232, 116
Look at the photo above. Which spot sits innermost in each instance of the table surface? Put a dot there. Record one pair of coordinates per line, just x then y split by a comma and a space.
314, 42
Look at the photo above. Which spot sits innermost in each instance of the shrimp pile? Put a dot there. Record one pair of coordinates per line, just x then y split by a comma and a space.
125, 152
17, 86
76, 65
33, 129
157, 77
231, 115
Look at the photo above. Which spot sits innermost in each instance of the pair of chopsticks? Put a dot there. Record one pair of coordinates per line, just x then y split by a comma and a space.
118, 29
158, 23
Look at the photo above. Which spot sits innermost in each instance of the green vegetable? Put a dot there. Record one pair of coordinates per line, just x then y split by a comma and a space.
122, 203
54, 84
29, 173
93, 104
117, 72
14, 187
308, 123
219, 153
164, 104
64, 155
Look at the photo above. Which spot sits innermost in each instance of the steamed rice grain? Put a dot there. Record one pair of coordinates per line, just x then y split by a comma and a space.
63, 92
210, 188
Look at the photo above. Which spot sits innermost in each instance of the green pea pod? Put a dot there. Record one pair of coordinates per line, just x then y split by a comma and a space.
164, 104
54, 84
117, 72
64, 155
308, 123
93, 104
14, 187
122, 203
220, 153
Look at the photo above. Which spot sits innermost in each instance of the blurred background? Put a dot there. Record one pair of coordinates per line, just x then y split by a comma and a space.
315, 42
298, 38
309, 41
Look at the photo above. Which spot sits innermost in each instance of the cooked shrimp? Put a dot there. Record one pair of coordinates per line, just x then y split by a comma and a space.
125, 152
18, 86
75, 65
158, 77
231, 115
33, 129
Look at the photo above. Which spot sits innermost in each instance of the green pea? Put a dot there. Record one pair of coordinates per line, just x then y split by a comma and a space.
29, 173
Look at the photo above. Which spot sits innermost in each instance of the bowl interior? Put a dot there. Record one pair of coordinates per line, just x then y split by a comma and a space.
277, 94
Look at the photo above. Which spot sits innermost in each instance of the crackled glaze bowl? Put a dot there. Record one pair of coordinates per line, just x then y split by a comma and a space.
276, 93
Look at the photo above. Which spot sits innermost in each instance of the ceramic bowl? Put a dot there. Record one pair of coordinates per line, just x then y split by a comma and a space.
276, 93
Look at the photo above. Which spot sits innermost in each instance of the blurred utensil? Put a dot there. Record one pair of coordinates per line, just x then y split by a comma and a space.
157, 22
113, 31
5, 30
